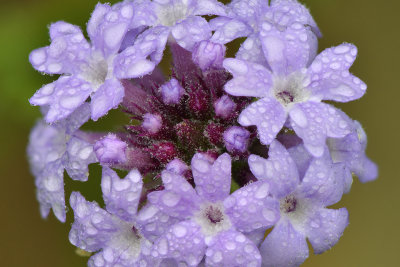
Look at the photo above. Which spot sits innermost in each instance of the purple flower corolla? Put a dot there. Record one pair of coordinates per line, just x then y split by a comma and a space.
113, 233
236, 139
172, 92
302, 205
208, 55
152, 123
87, 68
53, 148
179, 18
110, 150
212, 223
244, 19
295, 90
224, 107
350, 150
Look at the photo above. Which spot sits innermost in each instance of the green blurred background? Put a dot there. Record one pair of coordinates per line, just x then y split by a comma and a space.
372, 238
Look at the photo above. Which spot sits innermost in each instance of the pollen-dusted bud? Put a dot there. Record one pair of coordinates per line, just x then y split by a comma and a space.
171, 92
224, 107
110, 150
199, 103
207, 54
214, 133
163, 152
236, 139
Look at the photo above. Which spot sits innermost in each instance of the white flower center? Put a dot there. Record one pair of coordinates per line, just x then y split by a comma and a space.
170, 15
127, 240
97, 70
290, 89
296, 209
212, 219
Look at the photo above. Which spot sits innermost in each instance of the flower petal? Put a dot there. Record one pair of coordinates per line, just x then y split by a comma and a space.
209, 7
314, 121
251, 50
330, 76
109, 28
67, 51
249, 79
183, 242
289, 50
325, 228
79, 155
93, 227
190, 31
323, 182
268, 115
232, 248
46, 144
227, 30
212, 179
178, 200
287, 12
50, 190
107, 97
251, 208
63, 97
279, 170
121, 196
301, 157
153, 222
141, 58
284, 247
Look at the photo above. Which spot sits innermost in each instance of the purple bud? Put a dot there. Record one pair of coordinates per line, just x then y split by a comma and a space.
224, 107
110, 150
207, 54
172, 92
152, 123
177, 166
236, 139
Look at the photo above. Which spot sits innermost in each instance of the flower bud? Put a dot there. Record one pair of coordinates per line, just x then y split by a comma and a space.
110, 150
207, 54
171, 92
152, 123
236, 139
224, 107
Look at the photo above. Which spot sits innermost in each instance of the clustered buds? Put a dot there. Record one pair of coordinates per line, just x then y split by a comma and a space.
215, 153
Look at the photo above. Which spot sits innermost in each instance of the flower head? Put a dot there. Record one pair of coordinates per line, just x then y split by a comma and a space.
210, 219
53, 148
302, 205
113, 233
88, 69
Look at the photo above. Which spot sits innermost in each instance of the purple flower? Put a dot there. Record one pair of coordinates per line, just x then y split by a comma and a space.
53, 148
302, 205
172, 92
179, 18
294, 91
207, 55
212, 222
152, 123
350, 150
224, 107
244, 19
88, 68
110, 150
113, 233
236, 139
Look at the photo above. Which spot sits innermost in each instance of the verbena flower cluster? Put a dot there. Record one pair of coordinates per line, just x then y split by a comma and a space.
217, 151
